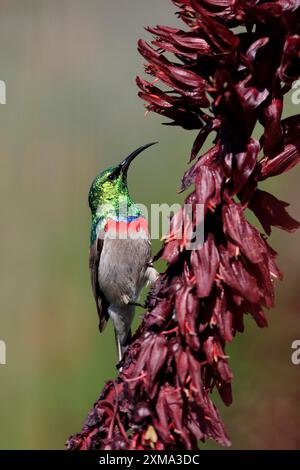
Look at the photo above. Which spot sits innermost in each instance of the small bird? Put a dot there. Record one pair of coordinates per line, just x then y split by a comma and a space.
120, 250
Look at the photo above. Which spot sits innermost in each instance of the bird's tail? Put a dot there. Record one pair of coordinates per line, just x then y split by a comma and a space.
121, 348
122, 319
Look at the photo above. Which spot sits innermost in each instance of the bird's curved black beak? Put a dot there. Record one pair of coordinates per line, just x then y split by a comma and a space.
124, 165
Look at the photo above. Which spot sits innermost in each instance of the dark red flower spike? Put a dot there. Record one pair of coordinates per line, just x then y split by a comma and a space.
233, 63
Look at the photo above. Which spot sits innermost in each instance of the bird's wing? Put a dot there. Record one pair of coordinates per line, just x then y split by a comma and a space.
95, 253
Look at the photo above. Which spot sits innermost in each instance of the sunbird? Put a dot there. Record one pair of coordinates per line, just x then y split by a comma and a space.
120, 250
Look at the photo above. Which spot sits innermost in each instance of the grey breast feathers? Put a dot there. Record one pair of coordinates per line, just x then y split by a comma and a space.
122, 269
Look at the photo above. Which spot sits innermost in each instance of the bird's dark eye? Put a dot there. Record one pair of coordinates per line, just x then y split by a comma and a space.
112, 177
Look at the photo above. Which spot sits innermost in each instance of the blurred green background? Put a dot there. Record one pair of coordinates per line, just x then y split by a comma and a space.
72, 109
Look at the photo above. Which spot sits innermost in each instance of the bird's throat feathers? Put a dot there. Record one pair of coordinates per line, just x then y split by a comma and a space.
117, 215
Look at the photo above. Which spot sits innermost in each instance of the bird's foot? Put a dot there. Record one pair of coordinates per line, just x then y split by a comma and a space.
137, 304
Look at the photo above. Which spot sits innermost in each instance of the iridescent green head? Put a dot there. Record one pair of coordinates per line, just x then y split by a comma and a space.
109, 190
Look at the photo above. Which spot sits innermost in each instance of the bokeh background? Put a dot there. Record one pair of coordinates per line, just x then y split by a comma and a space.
72, 109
